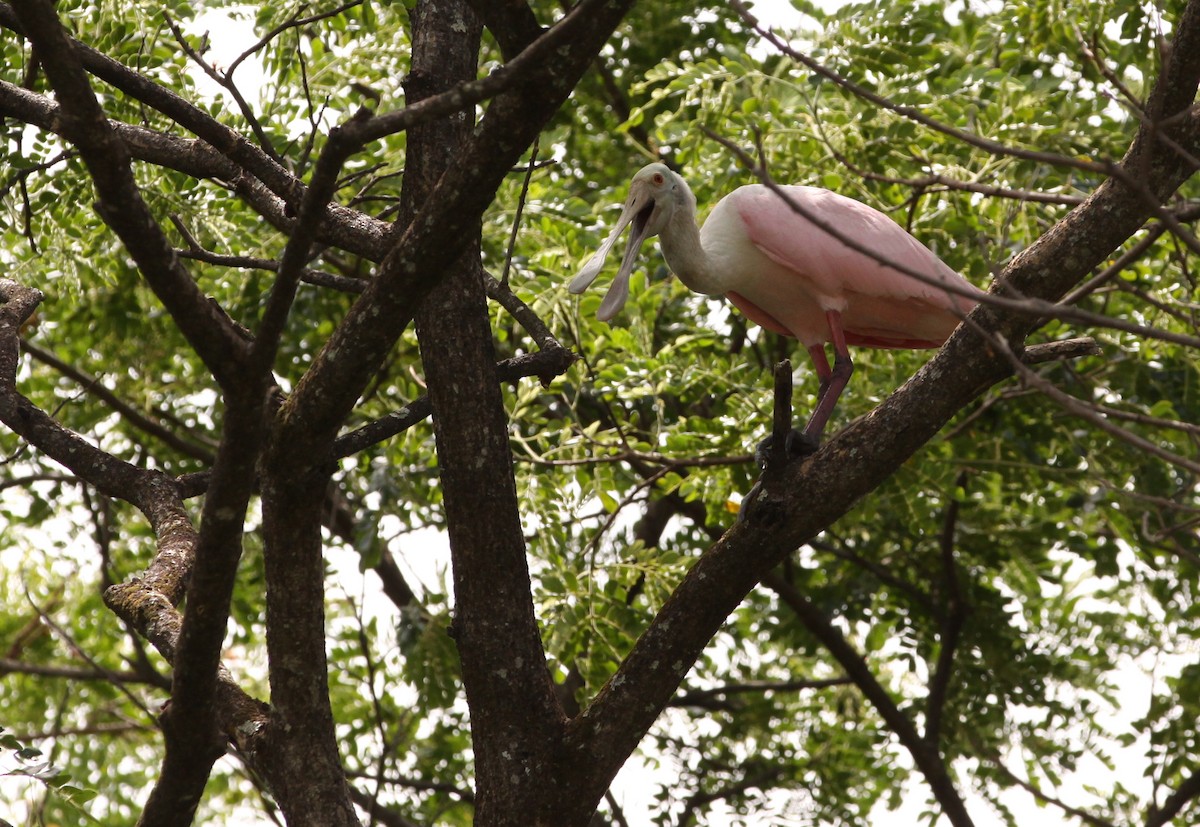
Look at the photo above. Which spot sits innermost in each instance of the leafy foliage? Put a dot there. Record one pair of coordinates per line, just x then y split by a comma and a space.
1050, 558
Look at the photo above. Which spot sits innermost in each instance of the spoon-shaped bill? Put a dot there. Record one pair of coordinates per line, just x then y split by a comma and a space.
618, 292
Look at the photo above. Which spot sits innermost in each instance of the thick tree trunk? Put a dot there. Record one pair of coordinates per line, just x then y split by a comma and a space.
515, 720
306, 773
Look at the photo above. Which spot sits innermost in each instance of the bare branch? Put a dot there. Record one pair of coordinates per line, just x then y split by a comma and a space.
1185, 794
718, 697
952, 621
516, 225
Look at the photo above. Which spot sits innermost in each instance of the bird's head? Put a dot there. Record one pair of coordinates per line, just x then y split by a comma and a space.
656, 194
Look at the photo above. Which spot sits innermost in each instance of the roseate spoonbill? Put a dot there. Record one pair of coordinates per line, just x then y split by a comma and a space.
790, 276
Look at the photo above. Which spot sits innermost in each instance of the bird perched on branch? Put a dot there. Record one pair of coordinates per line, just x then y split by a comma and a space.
800, 261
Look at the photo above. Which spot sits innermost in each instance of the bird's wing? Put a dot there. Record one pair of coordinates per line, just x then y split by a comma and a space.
764, 319
890, 342
833, 270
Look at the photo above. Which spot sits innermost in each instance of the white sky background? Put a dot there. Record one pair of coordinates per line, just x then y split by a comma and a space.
424, 558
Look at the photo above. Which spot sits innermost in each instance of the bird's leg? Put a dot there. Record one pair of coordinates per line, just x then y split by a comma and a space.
795, 443
833, 380
803, 443
821, 366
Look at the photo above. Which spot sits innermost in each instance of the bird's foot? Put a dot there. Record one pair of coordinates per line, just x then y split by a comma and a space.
795, 445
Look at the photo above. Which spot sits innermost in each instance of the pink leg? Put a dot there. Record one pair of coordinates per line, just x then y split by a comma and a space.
833, 381
821, 365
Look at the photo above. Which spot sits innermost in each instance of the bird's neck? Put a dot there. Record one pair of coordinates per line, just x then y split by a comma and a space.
686, 256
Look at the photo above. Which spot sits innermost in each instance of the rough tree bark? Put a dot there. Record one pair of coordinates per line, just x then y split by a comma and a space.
515, 718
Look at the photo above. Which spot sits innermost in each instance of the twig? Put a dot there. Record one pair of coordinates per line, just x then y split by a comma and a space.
59, 731
951, 622
990, 146
1088, 49
1186, 792
461, 793
20, 174
119, 199
364, 648
317, 278
932, 182
114, 678
617, 813
1084, 410
322, 186
1117, 267
9, 666
749, 780
1046, 798
93, 387
1108, 168
538, 330
713, 698
880, 572
293, 22
632, 456
549, 362
225, 81
512, 237
781, 420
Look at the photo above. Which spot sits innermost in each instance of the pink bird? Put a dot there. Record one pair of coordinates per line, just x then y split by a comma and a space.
789, 275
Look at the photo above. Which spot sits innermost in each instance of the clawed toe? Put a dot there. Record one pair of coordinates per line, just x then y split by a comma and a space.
795, 445
799, 444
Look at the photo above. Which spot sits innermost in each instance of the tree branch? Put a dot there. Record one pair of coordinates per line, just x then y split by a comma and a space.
423, 249
952, 620
129, 413
1184, 794
925, 753
717, 697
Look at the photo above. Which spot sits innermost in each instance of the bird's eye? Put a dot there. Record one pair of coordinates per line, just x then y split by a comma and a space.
658, 178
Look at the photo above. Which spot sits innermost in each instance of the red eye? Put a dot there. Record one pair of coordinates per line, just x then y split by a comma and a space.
658, 178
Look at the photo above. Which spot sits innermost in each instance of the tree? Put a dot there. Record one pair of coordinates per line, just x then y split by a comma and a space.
244, 339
